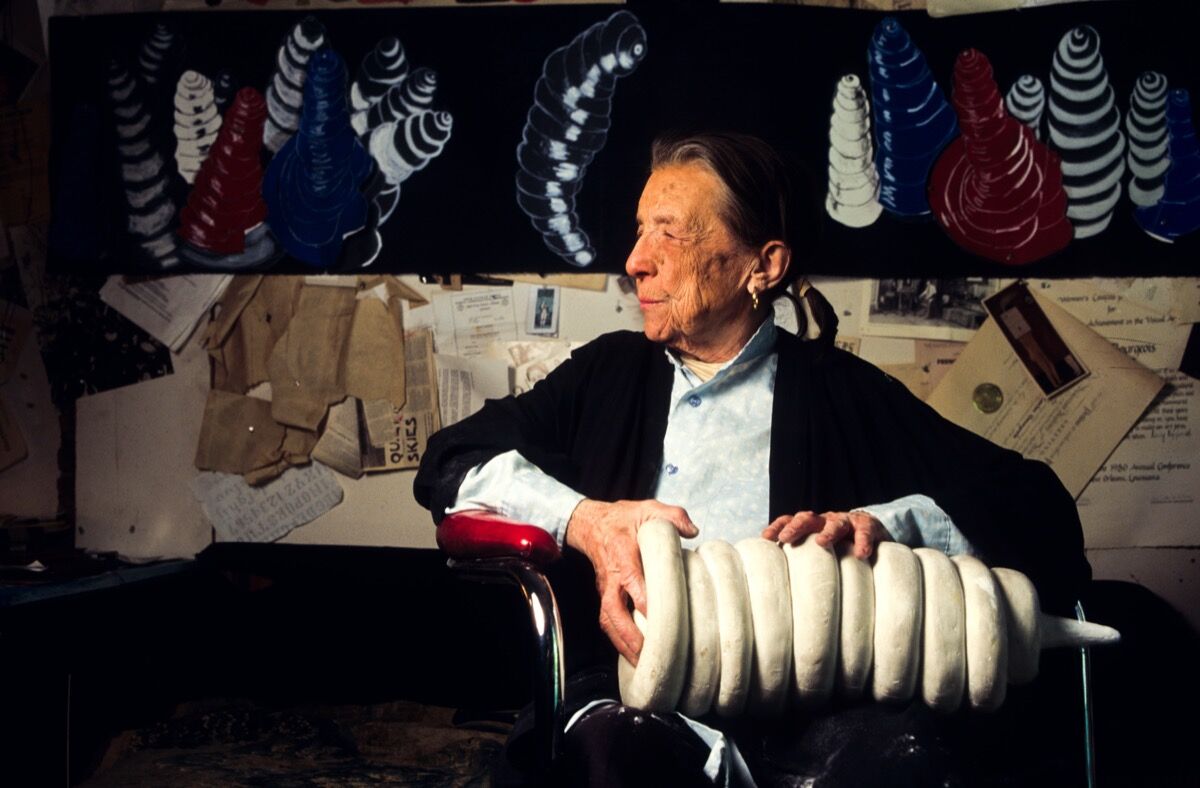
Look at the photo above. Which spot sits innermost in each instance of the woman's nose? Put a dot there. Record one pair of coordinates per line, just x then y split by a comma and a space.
639, 261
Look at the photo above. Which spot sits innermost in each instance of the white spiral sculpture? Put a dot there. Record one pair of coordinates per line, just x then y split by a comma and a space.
742, 629
1146, 125
196, 122
1085, 130
853, 195
1026, 101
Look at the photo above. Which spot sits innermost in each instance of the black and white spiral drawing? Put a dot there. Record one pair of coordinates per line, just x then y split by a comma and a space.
285, 94
568, 124
1085, 129
156, 53
1146, 125
151, 209
384, 66
412, 94
400, 148
225, 87
853, 194
196, 122
1026, 101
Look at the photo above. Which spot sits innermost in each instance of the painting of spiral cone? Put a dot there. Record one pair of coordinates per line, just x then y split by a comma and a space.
1085, 130
384, 66
196, 122
222, 225
913, 121
145, 179
412, 94
1026, 101
313, 185
996, 190
1177, 212
1146, 125
568, 125
286, 91
853, 195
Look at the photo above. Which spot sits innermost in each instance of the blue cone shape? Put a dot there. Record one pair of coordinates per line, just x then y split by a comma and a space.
912, 119
313, 185
1178, 212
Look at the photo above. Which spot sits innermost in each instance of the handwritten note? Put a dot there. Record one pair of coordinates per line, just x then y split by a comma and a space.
241, 513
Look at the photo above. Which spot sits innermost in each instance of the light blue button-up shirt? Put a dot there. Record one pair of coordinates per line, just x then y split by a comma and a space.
716, 453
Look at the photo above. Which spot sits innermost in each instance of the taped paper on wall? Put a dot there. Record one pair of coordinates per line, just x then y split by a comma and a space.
467, 322
241, 513
411, 425
167, 308
989, 392
464, 384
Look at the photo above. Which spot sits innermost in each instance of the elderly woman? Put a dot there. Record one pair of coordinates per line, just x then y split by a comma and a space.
727, 426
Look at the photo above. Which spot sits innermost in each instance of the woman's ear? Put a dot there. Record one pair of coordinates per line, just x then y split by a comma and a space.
771, 265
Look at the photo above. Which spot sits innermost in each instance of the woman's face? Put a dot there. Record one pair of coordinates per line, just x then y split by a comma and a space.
691, 272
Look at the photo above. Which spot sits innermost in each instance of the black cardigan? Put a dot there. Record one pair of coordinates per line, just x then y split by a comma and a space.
843, 434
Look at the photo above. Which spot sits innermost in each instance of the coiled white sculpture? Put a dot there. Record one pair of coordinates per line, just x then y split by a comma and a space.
744, 628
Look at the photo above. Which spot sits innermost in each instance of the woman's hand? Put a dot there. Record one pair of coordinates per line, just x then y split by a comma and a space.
830, 528
607, 534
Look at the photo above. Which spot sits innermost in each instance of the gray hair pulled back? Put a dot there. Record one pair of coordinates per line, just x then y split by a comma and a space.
768, 197
765, 198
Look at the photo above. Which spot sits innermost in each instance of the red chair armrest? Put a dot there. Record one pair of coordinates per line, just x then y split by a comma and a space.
479, 534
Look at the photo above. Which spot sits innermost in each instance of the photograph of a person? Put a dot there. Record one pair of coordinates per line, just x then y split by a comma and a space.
946, 309
542, 314
1039, 346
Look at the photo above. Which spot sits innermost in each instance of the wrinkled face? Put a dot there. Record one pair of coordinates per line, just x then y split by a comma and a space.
691, 271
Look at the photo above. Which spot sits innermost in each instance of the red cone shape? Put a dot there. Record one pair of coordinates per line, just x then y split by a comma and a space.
996, 190
226, 199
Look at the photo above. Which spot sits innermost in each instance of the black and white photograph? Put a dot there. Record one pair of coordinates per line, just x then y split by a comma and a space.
542, 313
1040, 347
947, 309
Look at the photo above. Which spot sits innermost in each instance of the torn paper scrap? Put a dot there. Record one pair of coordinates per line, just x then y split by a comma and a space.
239, 435
242, 513
167, 308
305, 364
374, 357
989, 392
240, 347
340, 444
408, 434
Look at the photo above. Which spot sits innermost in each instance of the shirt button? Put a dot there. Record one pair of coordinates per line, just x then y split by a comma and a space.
672, 469
694, 400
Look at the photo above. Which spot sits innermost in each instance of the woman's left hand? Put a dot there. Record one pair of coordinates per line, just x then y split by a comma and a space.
830, 528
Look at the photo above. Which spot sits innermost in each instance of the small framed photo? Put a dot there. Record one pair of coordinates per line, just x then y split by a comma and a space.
541, 316
1038, 345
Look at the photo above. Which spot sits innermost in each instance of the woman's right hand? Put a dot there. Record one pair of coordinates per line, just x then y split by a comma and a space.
607, 534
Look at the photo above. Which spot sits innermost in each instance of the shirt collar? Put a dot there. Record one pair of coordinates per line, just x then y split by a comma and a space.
761, 343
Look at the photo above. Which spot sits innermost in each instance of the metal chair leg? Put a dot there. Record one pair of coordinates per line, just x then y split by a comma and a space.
1089, 744
549, 669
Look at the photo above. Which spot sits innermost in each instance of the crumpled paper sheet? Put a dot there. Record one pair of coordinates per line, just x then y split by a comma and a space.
239, 436
315, 345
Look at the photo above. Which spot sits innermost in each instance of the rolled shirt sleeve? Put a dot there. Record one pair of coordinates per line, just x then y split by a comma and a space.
510, 485
917, 521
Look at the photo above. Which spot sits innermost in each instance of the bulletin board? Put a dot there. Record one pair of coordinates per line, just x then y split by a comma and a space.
517, 138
